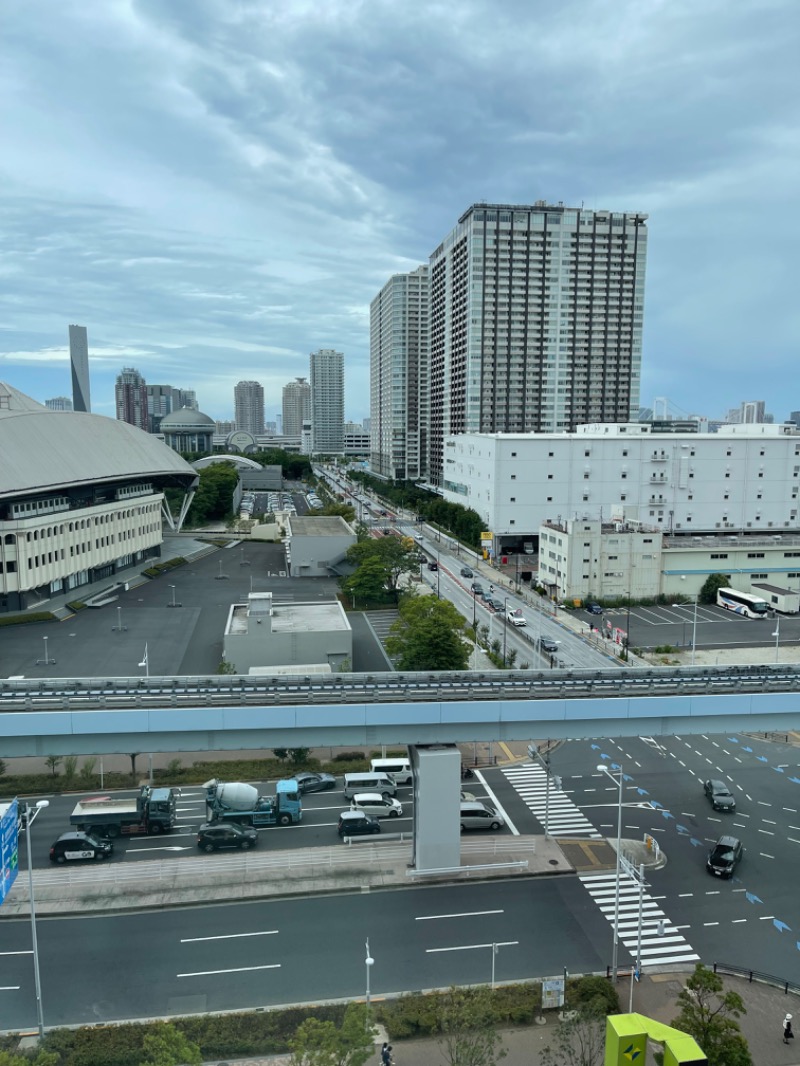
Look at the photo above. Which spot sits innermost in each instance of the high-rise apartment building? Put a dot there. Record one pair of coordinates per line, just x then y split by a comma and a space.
296, 406
327, 402
163, 400
249, 407
535, 321
398, 360
59, 403
79, 365
130, 393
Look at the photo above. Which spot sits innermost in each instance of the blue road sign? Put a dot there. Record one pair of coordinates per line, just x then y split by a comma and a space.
9, 844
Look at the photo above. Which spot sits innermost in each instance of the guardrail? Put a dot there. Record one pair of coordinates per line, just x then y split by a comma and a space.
757, 976
165, 692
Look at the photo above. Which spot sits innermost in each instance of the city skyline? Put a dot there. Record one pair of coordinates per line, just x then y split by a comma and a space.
216, 229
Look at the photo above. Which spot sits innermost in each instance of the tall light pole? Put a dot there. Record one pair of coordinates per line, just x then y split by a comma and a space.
145, 663
694, 627
505, 627
368, 962
777, 636
603, 769
544, 762
46, 661
32, 813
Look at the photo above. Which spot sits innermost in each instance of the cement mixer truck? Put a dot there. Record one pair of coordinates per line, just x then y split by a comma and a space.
235, 801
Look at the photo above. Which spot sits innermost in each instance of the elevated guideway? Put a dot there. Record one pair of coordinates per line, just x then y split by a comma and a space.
96, 716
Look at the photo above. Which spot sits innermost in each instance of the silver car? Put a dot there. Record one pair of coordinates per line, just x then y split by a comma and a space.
478, 815
374, 804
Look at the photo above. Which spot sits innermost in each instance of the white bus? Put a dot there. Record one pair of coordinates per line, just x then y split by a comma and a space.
742, 603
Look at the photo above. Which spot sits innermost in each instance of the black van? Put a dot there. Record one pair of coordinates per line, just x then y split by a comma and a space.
75, 846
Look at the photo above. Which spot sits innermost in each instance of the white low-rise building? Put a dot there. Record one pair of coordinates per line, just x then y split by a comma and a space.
261, 633
743, 479
316, 546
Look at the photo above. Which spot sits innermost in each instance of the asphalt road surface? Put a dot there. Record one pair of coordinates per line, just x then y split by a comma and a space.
296, 951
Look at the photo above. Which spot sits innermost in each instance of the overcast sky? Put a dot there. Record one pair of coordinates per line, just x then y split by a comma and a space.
215, 188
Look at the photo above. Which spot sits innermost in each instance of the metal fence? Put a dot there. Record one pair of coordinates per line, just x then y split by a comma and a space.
757, 976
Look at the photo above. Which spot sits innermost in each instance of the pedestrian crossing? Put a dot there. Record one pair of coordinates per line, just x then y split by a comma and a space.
563, 817
661, 943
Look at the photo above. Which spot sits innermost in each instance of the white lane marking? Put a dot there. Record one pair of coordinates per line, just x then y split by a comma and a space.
465, 914
738, 921
9, 988
769, 821
764, 855
766, 832
791, 810
497, 805
472, 947
793, 840
28, 952
240, 969
766, 917
227, 936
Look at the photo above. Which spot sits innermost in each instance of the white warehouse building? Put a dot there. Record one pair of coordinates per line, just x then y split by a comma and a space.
742, 480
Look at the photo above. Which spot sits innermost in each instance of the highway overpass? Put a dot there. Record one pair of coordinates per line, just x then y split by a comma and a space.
96, 716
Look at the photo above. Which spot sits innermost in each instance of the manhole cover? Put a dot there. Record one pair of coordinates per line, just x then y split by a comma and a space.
553, 862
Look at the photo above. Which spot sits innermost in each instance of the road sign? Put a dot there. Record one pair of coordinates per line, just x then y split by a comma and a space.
9, 853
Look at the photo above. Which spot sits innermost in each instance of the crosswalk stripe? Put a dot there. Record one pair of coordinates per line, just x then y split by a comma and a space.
672, 947
563, 818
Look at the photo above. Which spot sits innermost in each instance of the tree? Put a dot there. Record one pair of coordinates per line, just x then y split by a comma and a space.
299, 756
388, 558
42, 1058
368, 583
708, 593
164, 1045
580, 1040
344, 510
3, 767
427, 636
52, 762
466, 1022
709, 1013
320, 1043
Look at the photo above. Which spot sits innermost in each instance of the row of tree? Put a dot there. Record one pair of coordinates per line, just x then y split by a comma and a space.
462, 522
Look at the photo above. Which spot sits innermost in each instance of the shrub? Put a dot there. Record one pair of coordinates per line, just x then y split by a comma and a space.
27, 619
353, 756
592, 993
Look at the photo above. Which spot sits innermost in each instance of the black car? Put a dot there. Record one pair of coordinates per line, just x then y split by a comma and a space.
213, 835
466, 572
356, 823
547, 644
594, 608
311, 782
719, 796
496, 605
477, 588
72, 847
724, 856
433, 566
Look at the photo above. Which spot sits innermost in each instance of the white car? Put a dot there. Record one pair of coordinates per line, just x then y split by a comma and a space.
515, 616
376, 805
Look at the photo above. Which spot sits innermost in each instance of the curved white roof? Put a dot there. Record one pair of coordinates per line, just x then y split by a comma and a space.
185, 417
240, 461
43, 450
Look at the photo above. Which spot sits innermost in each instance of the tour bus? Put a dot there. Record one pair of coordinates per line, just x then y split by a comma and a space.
742, 603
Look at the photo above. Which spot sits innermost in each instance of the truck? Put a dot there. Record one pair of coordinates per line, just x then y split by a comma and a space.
152, 811
235, 801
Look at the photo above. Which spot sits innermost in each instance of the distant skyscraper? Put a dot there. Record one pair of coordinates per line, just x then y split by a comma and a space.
130, 393
59, 403
327, 402
296, 407
163, 400
249, 407
754, 411
535, 321
79, 364
398, 359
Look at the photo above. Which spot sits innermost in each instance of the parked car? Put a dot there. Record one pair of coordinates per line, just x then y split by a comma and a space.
466, 572
724, 856
719, 796
213, 835
496, 605
477, 588
477, 815
72, 847
515, 616
548, 644
307, 781
594, 608
433, 565
378, 806
357, 823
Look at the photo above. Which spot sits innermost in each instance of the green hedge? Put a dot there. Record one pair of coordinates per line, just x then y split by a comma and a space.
157, 569
268, 1032
27, 619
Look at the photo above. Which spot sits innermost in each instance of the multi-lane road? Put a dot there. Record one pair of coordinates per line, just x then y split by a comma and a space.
209, 958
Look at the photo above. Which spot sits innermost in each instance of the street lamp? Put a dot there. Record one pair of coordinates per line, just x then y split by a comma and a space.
173, 603
32, 813
777, 635
145, 663
368, 962
46, 661
694, 621
119, 627
505, 627
603, 769
544, 762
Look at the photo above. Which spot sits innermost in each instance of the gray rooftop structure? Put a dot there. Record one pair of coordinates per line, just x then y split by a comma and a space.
322, 526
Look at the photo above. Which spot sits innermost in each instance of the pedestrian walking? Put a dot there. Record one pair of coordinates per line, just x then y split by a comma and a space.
787, 1029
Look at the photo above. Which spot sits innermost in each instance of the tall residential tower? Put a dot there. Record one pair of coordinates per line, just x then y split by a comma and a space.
296, 407
535, 321
130, 393
398, 358
79, 365
249, 407
327, 402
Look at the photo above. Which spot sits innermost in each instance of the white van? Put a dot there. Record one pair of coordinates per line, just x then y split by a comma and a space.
369, 781
377, 806
400, 769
